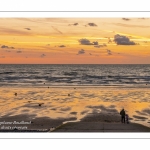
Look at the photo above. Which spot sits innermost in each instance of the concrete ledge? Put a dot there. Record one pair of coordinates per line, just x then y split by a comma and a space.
101, 127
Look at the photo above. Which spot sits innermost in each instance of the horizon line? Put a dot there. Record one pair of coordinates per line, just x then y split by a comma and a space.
69, 64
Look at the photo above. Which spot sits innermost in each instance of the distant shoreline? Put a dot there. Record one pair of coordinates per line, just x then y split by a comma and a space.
76, 86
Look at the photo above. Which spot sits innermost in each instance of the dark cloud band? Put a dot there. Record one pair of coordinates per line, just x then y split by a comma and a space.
82, 51
123, 40
87, 42
5, 46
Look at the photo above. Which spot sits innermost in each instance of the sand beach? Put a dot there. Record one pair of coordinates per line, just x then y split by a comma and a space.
74, 109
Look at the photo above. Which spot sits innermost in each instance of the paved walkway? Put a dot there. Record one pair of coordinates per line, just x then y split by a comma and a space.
100, 127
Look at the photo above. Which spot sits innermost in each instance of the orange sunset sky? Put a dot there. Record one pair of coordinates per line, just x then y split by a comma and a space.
74, 40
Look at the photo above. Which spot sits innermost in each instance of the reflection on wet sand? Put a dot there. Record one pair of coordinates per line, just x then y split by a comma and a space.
80, 104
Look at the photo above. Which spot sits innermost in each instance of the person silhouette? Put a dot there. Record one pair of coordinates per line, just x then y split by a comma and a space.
127, 118
122, 113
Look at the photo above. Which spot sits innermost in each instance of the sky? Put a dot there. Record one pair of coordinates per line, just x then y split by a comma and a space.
74, 40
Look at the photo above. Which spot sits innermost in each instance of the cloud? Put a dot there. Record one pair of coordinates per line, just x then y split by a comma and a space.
27, 28
99, 46
62, 46
127, 25
123, 40
82, 51
126, 19
109, 39
92, 24
19, 51
109, 52
95, 43
87, 42
57, 30
9, 31
5, 46
142, 18
74, 24
43, 55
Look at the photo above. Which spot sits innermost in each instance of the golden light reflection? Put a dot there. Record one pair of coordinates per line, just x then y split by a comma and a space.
76, 103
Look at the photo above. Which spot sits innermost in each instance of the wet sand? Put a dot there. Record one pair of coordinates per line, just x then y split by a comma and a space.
46, 108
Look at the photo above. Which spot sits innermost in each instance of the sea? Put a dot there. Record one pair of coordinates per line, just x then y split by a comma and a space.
132, 75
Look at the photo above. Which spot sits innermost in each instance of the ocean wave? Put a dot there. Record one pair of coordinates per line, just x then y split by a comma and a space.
75, 74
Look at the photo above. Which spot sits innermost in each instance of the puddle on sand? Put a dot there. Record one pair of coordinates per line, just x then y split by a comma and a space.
70, 121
